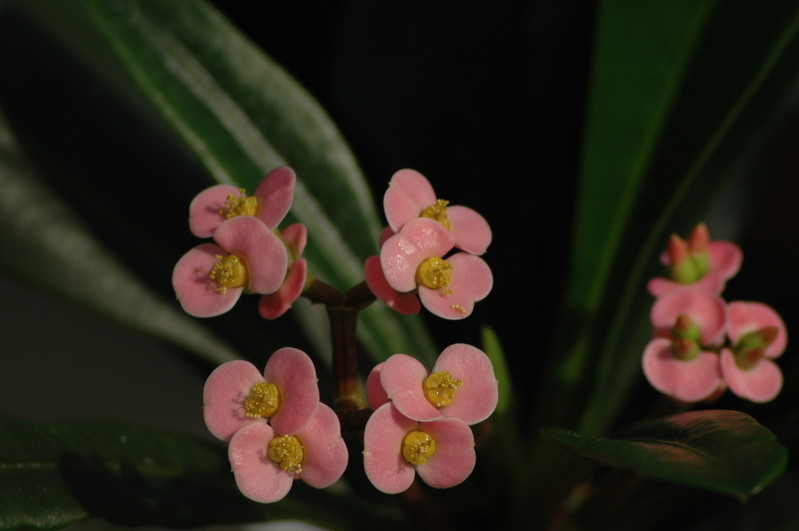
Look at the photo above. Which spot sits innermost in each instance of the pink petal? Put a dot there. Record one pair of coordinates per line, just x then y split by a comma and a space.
745, 317
401, 255
706, 310
725, 258
476, 399
454, 458
761, 383
204, 216
272, 306
296, 237
324, 451
402, 377
223, 397
294, 374
409, 192
196, 291
471, 231
686, 381
257, 476
383, 463
404, 303
375, 394
471, 282
275, 194
262, 251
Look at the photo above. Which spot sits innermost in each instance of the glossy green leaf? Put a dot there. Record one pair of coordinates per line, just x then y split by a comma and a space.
682, 93
54, 474
719, 450
241, 115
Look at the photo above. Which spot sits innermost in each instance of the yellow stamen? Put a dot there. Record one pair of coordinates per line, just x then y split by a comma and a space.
287, 451
438, 212
434, 273
262, 402
242, 205
440, 387
228, 272
418, 447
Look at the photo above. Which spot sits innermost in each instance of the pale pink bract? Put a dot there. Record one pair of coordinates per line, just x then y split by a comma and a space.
706, 310
227, 387
691, 380
387, 469
273, 305
274, 196
261, 479
409, 193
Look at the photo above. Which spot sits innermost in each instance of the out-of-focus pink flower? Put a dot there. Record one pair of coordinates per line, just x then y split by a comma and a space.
266, 460
270, 203
410, 196
679, 369
396, 448
462, 385
688, 307
237, 394
699, 262
415, 259
273, 305
758, 336
210, 278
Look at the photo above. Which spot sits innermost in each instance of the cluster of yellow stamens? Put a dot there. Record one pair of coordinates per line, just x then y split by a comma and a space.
434, 273
243, 205
440, 387
438, 212
418, 447
287, 451
263, 401
228, 272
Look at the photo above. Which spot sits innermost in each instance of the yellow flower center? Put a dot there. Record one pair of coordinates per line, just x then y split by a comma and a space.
418, 447
440, 387
438, 212
287, 451
434, 273
263, 401
228, 272
243, 205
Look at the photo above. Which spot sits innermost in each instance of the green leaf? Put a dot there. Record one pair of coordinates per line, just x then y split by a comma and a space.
54, 474
241, 115
682, 94
723, 451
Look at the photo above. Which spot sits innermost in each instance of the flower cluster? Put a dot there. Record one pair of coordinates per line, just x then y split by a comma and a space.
429, 253
248, 252
421, 419
277, 428
703, 345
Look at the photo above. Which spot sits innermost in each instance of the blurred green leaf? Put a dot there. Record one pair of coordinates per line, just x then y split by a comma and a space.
54, 474
681, 96
241, 115
723, 451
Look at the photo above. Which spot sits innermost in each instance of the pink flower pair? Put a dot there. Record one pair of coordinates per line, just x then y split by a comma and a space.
248, 253
415, 266
278, 429
703, 345
421, 419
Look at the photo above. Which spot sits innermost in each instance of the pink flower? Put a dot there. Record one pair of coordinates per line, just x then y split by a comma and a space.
690, 307
396, 448
410, 196
237, 394
270, 203
266, 460
273, 305
414, 259
462, 385
210, 278
758, 336
703, 264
